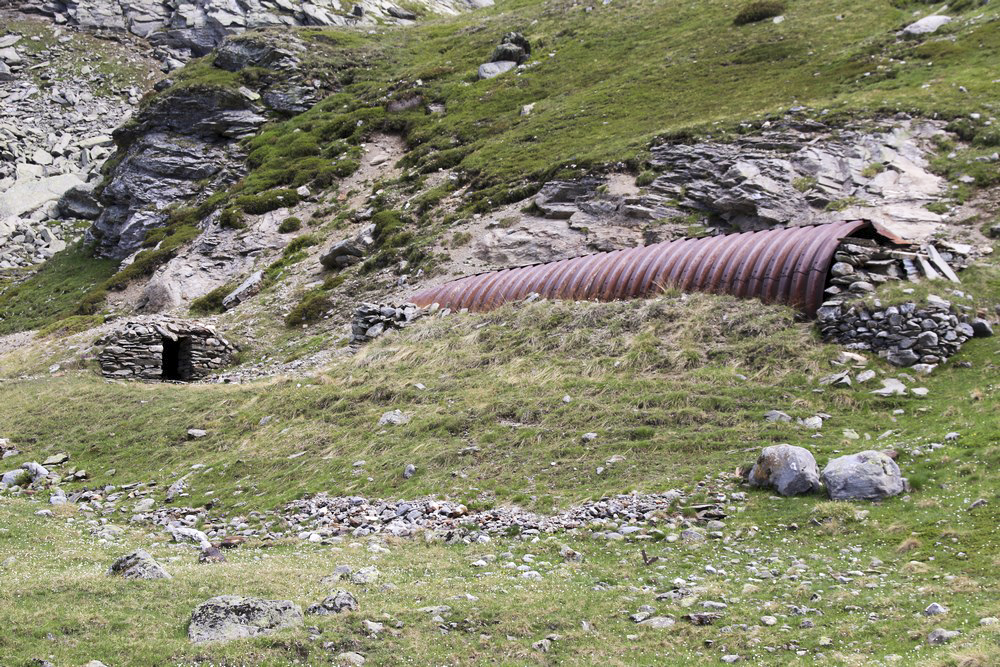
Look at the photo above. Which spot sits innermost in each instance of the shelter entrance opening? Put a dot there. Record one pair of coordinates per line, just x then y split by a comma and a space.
177, 358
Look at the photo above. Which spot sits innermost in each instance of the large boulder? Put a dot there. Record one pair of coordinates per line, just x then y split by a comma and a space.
513, 47
26, 196
868, 475
229, 617
138, 565
343, 254
787, 469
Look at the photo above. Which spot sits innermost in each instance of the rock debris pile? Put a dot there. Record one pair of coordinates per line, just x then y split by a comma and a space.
181, 29
325, 515
56, 117
798, 170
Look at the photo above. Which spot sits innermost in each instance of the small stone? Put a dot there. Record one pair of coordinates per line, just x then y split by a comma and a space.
138, 565
941, 636
934, 609
394, 418
350, 658
338, 603
196, 433
409, 471
768, 620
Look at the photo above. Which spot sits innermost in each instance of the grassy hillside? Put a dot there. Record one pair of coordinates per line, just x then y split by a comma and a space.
676, 386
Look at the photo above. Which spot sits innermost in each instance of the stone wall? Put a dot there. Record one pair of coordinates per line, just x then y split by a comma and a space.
371, 320
135, 351
907, 335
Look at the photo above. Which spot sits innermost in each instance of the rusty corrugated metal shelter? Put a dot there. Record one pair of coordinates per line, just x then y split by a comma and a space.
788, 265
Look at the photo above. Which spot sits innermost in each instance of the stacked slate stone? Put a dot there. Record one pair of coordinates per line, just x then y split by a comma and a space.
905, 335
859, 266
371, 320
135, 350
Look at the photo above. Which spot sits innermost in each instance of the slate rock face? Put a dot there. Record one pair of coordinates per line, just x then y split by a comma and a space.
229, 617
138, 565
166, 156
868, 475
787, 469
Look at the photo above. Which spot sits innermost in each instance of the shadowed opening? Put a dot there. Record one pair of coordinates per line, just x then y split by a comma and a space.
177, 358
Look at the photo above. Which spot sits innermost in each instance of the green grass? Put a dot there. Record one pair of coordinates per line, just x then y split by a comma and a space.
676, 386
53, 291
656, 380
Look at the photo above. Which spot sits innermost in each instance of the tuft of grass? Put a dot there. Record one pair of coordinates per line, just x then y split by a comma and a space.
759, 10
289, 225
211, 303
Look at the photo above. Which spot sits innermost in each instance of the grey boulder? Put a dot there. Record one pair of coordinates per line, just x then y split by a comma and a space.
868, 475
138, 565
229, 617
926, 25
494, 69
337, 603
787, 469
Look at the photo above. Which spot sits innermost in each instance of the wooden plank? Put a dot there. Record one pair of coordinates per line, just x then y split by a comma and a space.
942, 265
927, 269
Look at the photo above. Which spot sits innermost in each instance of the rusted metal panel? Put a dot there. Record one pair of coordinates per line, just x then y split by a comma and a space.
788, 265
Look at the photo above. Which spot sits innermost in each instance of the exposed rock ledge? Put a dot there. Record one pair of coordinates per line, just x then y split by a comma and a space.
185, 28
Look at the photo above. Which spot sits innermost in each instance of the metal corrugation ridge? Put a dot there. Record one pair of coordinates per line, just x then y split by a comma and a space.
787, 265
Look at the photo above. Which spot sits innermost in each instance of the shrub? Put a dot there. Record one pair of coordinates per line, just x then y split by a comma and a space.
232, 218
211, 302
645, 178
310, 308
266, 202
289, 225
759, 10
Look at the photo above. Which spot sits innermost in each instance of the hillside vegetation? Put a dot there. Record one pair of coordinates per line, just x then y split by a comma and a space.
541, 406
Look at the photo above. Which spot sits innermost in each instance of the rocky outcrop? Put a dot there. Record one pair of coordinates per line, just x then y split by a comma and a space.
801, 172
183, 145
229, 617
181, 29
167, 154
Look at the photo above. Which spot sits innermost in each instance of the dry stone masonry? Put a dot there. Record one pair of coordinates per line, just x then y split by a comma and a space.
163, 349
371, 320
908, 335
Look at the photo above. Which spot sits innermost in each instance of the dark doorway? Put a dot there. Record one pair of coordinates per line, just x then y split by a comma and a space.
177, 359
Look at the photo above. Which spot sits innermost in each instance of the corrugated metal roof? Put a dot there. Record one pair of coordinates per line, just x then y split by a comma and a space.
787, 265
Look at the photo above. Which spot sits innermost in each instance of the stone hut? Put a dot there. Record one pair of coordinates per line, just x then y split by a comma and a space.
163, 349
